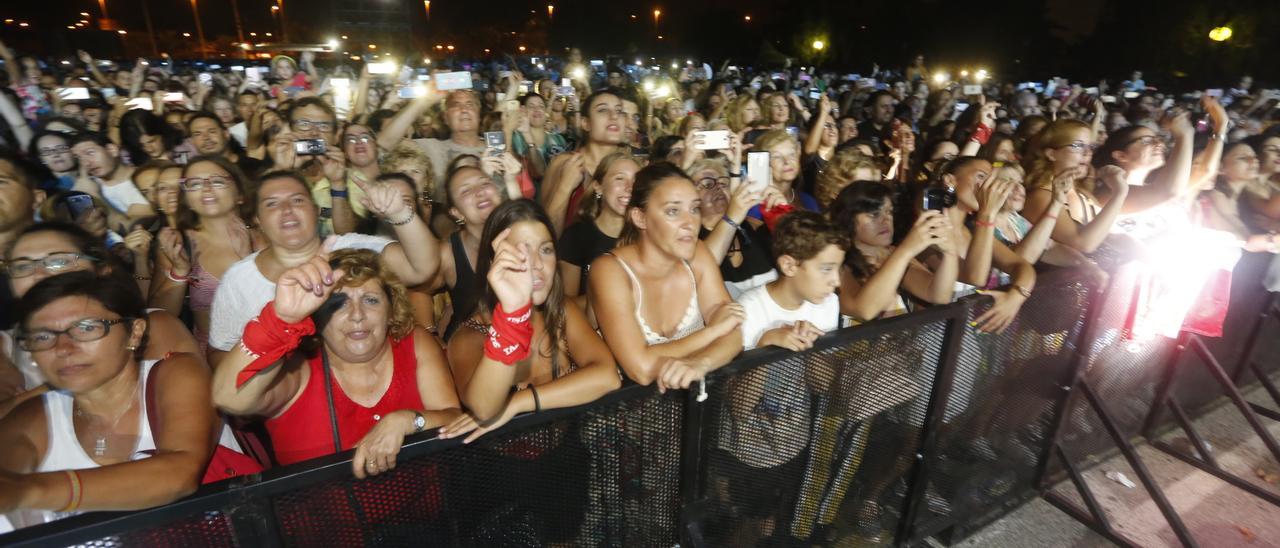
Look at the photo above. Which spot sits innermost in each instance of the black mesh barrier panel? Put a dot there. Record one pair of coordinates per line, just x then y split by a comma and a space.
1000, 410
605, 477
818, 447
894, 427
1124, 372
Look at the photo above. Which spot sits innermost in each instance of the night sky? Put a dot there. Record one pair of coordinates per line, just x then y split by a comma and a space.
1028, 38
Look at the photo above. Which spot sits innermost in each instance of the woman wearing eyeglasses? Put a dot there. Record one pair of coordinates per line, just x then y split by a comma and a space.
1061, 153
211, 236
89, 444
48, 249
599, 224
739, 246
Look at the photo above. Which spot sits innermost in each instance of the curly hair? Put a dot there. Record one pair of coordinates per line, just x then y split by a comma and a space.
802, 235
842, 170
733, 112
362, 265
407, 154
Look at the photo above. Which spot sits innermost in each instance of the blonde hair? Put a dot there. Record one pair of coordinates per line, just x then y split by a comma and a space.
733, 112
1058, 133
362, 265
840, 171
408, 154
720, 165
773, 138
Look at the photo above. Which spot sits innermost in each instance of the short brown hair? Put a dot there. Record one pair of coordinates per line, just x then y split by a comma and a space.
362, 265
802, 235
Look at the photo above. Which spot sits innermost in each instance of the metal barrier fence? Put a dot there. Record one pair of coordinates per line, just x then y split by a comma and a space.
885, 433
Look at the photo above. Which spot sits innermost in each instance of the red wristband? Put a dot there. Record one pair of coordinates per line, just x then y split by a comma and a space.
772, 215
1048, 216
985, 224
982, 134
268, 338
510, 335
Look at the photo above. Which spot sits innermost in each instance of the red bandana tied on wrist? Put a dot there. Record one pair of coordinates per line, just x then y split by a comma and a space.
510, 335
982, 134
268, 338
772, 215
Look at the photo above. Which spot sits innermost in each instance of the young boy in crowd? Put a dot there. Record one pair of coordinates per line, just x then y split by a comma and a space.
801, 304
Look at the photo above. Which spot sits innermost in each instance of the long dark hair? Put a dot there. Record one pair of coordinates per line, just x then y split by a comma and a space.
857, 198
647, 180
188, 219
503, 217
137, 123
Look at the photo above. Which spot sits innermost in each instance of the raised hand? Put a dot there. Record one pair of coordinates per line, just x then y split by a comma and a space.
384, 200
171, 246
991, 197
1115, 177
931, 228
511, 273
302, 289
334, 164
84, 57
282, 151
743, 199
138, 241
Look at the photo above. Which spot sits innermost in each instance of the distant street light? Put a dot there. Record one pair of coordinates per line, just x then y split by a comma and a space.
746, 18
656, 14
1220, 34
186, 35
426, 5
550, 11
818, 45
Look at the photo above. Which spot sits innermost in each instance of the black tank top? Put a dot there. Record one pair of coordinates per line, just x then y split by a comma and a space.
465, 292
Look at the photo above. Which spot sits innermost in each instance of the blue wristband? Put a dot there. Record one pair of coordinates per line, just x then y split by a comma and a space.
338, 194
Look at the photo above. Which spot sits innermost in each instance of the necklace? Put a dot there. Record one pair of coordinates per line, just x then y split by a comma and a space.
100, 436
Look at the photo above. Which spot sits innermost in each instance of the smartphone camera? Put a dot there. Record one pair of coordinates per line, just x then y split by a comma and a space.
309, 147
495, 143
938, 198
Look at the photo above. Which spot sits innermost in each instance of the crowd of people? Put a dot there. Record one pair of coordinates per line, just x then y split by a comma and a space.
337, 257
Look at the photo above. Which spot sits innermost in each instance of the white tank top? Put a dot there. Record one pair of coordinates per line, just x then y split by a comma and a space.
65, 452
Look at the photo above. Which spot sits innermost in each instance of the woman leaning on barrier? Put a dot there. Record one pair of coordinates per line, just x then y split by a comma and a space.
877, 273
373, 379
89, 443
48, 249
527, 348
524, 348
657, 328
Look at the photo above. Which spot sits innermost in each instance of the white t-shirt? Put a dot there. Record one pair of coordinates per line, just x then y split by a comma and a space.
121, 195
763, 314
244, 291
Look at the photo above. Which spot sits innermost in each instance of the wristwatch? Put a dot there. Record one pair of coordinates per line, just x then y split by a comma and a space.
419, 422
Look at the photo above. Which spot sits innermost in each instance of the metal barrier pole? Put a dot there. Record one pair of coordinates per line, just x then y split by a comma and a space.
1075, 373
693, 472
1270, 310
936, 411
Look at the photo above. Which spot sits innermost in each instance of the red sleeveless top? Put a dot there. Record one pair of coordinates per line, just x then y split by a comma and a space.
303, 431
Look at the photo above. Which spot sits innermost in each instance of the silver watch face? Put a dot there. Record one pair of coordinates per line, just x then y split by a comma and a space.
419, 423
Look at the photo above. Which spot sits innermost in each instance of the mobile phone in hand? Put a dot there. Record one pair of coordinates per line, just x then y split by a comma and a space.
450, 81
73, 94
495, 143
711, 140
759, 174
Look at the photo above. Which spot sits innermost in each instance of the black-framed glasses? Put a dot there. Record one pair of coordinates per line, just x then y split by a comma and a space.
1146, 140
54, 151
196, 184
86, 330
54, 263
708, 183
1081, 146
303, 124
